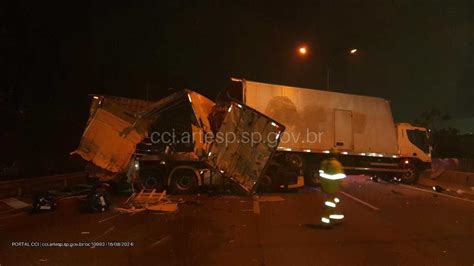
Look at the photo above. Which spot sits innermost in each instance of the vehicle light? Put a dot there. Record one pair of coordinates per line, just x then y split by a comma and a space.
394, 156
326, 151
209, 154
307, 150
274, 124
330, 204
189, 97
287, 149
96, 97
230, 109
278, 135
406, 162
336, 200
336, 216
325, 220
344, 152
363, 154
239, 105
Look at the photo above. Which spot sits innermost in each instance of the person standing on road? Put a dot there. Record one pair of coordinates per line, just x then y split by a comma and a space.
332, 175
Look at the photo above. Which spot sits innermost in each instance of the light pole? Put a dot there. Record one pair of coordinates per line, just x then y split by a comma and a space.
351, 52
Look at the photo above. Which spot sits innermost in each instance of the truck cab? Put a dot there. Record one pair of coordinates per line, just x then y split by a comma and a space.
413, 143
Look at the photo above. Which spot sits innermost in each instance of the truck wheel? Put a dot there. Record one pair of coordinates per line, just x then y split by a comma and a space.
184, 182
153, 182
295, 160
312, 177
268, 180
410, 176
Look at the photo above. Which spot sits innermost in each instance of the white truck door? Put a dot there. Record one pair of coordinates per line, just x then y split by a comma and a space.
343, 138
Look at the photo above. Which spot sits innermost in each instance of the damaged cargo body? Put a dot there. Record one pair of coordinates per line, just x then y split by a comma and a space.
177, 143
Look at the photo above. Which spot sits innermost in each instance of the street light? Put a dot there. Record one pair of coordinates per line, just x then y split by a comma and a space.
352, 52
302, 50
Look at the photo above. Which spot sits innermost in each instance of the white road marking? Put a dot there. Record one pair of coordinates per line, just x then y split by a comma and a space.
160, 241
103, 234
360, 201
436, 193
108, 218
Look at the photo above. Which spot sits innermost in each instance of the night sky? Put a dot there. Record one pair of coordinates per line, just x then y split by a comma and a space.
418, 54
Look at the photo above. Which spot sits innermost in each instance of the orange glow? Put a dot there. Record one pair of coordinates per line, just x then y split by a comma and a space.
302, 50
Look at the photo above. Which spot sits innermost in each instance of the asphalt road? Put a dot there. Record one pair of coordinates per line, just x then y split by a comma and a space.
386, 224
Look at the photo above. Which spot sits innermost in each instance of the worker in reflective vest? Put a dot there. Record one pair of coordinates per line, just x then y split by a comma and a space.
332, 175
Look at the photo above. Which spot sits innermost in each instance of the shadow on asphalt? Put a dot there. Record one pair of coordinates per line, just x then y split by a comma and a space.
318, 227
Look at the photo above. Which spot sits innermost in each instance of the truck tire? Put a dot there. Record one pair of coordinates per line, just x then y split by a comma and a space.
295, 160
267, 181
410, 176
153, 182
311, 176
184, 182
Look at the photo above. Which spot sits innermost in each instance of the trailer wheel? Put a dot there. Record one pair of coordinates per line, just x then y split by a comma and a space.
312, 177
153, 182
268, 180
184, 182
295, 160
410, 176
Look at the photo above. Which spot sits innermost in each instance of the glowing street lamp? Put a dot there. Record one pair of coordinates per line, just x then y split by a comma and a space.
352, 52
302, 50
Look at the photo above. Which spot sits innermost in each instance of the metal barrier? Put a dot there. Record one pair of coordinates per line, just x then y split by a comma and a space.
29, 186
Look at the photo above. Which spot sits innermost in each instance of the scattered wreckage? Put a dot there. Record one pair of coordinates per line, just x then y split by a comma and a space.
174, 143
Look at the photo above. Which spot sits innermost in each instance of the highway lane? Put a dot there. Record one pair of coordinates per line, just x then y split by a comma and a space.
408, 227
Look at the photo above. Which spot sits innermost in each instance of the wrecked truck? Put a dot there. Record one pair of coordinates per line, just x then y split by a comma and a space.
180, 142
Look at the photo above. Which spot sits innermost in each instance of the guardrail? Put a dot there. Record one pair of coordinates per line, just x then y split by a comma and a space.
29, 186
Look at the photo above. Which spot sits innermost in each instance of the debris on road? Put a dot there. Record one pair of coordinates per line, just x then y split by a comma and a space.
151, 201
15, 203
44, 202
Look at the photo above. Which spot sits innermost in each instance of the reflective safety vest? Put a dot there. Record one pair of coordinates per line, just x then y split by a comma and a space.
331, 174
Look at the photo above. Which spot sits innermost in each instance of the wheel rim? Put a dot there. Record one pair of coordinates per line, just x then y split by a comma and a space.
408, 174
184, 182
266, 181
151, 182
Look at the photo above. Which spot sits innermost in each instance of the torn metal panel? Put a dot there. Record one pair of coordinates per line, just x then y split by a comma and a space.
109, 139
116, 125
251, 140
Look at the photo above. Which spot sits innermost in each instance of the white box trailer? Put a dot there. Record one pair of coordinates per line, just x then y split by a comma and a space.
360, 127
